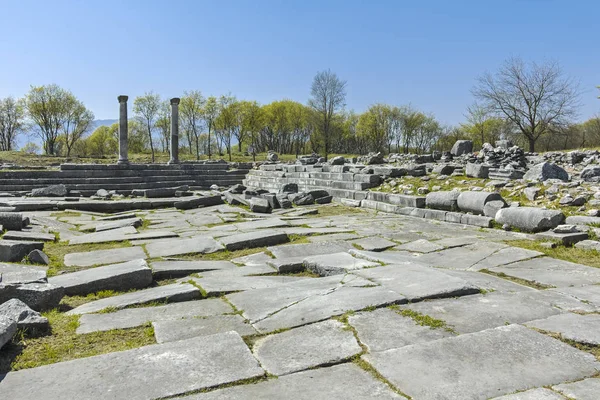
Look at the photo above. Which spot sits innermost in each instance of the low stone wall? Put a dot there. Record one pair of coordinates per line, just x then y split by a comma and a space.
89, 178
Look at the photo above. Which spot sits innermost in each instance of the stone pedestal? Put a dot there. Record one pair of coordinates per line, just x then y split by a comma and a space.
123, 130
174, 131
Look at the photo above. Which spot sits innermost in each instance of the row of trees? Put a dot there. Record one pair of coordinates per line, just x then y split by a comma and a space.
533, 105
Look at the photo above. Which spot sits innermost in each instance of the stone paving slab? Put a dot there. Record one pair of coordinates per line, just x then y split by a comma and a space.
306, 347
115, 235
253, 239
505, 256
461, 258
386, 257
322, 306
176, 269
31, 236
222, 283
481, 365
180, 329
106, 226
132, 317
149, 372
479, 312
374, 243
335, 264
487, 282
204, 219
420, 246
587, 389
103, 257
17, 273
589, 294
551, 272
385, 329
583, 329
417, 282
533, 394
253, 259
333, 237
262, 269
174, 247
339, 382
308, 249
119, 277
171, 293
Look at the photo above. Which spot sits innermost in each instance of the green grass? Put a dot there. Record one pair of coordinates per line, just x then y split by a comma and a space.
422, 319
590, 258
56, 252
330, 210
520, 281
64, 344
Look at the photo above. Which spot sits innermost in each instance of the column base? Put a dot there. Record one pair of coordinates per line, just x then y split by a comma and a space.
123, 162
171, 162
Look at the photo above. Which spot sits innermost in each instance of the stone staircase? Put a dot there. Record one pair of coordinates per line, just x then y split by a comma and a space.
88, 178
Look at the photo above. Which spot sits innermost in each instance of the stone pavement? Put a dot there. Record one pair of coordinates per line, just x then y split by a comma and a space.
360, 305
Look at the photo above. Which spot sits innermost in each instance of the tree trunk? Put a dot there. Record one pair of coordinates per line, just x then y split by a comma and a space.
531, 145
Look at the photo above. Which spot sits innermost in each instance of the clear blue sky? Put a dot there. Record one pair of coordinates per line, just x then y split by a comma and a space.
427, 53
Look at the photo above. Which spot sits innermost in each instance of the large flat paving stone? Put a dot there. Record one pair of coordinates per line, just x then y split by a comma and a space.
551, 272
16, 273
308, 249
226, 283
479, 312
335, 264
31, 236
583, 329
104, 257
174, 247
386, 257
417, 282
170, 330
170, 293
114, 235
505, 256
420, 246
533, 394
306, 347
461, 257
487, 282
374, 243
587, 389
385, 329
176, 269
120, 277
339, 382
149, 372
589, 294
481, 365
253, 239
133, 317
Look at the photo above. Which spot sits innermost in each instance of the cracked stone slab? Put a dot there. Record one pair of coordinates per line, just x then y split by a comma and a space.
253, 239
461, 257
339, 382
222, 283
308, 249
176, 269
335, 264
374, 243
488, 282
479, 312
333, 237
386, 257
104, 257
385, 329
552, 272
180, 329
583, 329
155, 371
30, 236
306, 347
120, 277
132, 317
253, 259
590, 294
420, 246
533, 394
204, 219
323, 306
417, 282
238, 271
481, 365
170, 293
16, 273
586, 389
114, 235
174, 247
505, 256
457, 241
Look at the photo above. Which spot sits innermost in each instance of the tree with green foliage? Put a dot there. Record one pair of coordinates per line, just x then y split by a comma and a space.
77, 121
146, 109
191, 109
252, 120
328, 96
102, 142
12, 122
163, 124
210, 112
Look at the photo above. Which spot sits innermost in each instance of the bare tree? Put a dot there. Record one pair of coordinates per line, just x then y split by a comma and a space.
191, 109
535, 97
12, 122
328, 95
163, 123
76, 123
146, 108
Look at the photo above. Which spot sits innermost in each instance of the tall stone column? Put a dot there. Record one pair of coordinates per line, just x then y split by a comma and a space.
123, 130
174, 131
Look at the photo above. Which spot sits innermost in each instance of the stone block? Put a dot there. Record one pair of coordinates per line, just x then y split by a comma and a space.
15, 251
443, 200
474, 202
477, 170
462, 147
253, 239
530, 219
39, 296
11, 221
103, 257
27, 319
565, 238
8, 328
259, 205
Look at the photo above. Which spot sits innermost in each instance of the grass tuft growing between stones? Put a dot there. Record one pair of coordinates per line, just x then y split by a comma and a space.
594, 350
520, 281
333, 209
224, 255
422, 319
56, 253
590, 258
64, 344
365, 366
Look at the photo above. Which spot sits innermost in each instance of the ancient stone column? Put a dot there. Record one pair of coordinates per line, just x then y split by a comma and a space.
174, 131
123, 130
